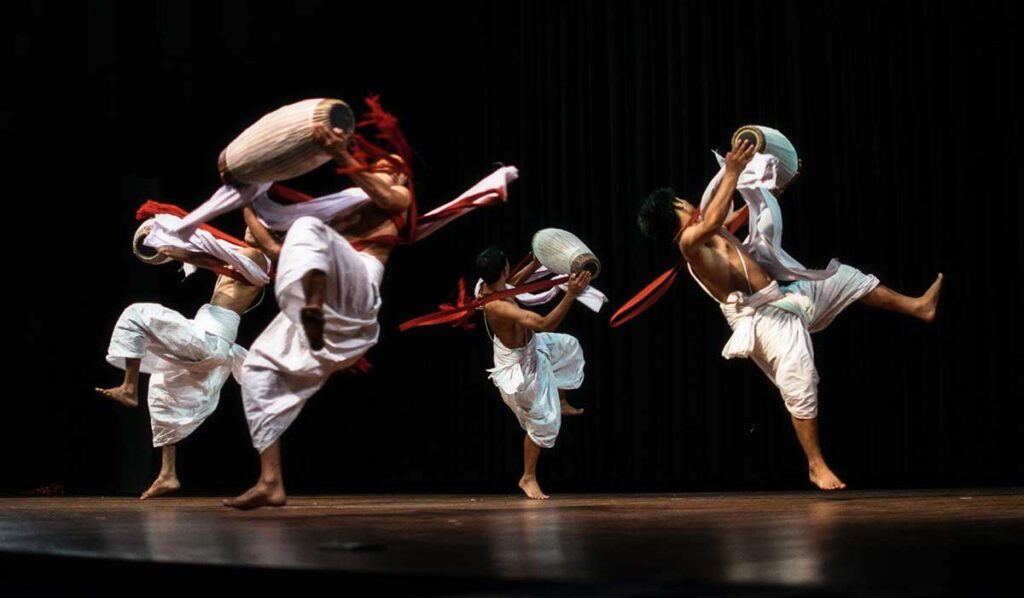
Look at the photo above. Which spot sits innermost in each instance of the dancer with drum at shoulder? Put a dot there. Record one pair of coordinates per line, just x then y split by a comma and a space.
770, 301
533, 365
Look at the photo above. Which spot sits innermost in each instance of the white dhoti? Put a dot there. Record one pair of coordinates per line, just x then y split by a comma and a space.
530, 377
188, 361
282, 371
773, 327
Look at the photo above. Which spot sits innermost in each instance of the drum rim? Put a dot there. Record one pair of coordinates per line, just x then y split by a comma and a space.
140, 234
758, 134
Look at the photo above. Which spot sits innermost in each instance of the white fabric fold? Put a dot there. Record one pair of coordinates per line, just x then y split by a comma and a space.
529, 378
200, 241
189, 361
592, 298
282, 371
764, 237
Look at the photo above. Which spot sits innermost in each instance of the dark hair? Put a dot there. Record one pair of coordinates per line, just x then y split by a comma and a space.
490, 264
657, 218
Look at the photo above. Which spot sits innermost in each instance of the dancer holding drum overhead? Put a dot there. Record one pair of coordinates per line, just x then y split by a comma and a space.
328, 288
771, 302
331, 262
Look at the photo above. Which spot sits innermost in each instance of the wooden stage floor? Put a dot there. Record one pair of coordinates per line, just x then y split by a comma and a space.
852, 542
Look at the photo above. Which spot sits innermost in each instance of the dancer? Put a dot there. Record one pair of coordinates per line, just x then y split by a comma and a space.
770, 301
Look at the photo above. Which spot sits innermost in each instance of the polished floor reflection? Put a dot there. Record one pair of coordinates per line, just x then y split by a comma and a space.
845, 542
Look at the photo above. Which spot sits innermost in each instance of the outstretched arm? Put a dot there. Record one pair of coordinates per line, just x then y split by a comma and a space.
264, 238
698, 233
534, 321
379, 186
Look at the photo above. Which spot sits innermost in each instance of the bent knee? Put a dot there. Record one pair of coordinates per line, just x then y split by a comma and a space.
802, 406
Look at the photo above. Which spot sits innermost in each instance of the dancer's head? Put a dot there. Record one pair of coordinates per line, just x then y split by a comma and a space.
492, 266
663, 216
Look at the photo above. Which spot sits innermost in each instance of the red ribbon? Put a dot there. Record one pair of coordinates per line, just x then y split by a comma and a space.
462, 310
154, 208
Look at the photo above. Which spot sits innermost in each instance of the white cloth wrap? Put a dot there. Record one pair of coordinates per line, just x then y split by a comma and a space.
188, 361
280, 216
529, 378
764, 227
282, 371
773, 326
592, 298
162, 235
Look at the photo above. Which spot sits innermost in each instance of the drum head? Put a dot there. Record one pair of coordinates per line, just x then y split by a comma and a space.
145, 251
752, 135
341, 117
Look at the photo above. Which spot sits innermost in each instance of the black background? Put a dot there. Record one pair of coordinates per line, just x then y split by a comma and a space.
907, 117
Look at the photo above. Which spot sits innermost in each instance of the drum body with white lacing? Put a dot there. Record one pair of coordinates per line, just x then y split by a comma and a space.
771, 141
280, 146
564, 253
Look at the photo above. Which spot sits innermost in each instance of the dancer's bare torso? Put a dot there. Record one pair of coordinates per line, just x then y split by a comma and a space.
511, 334
367, 222
236, 295
719, 264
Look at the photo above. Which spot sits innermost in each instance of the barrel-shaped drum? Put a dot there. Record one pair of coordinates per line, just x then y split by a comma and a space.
280, 146
771, 141
564, 253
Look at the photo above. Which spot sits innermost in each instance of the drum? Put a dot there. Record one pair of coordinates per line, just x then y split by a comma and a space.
145, 253
280, 146
563, 253
771, 141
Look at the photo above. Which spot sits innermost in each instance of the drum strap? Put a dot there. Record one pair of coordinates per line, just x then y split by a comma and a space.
458, 314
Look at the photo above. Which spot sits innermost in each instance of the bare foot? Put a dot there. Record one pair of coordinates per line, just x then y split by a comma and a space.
532, 489
260, 495
929, 302
124, 394
822, 477
568, 409
312, 318
162, 485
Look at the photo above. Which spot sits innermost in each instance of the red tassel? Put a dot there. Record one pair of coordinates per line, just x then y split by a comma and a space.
360, 367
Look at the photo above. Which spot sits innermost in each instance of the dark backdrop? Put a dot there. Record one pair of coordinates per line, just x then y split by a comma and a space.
907, 116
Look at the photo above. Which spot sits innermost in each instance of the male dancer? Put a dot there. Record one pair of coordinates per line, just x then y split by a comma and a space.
188, 360
771, 322
533, 365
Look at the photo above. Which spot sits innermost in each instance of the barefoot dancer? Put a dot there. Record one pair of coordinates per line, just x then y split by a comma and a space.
533, 366
771, 322
329, 294
188, 360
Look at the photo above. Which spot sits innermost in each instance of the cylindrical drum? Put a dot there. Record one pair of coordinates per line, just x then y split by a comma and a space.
771, 141
145, 253
563, 253
280, 146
